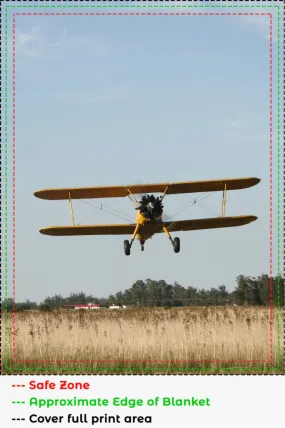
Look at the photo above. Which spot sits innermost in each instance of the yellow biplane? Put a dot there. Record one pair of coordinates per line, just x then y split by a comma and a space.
150, 209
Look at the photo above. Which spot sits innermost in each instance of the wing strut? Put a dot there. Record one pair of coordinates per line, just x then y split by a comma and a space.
224, 201
133, 198
71, 210
164, 193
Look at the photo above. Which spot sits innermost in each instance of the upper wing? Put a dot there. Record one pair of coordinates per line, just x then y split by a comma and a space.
100, 229
122, 191
82, 193
206, 223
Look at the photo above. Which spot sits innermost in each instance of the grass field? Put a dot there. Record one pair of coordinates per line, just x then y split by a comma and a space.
147, 340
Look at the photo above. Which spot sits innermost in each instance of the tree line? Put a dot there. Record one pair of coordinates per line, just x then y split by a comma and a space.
250, 291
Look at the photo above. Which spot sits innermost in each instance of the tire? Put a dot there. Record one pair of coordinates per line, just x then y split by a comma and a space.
176, 245
127, 248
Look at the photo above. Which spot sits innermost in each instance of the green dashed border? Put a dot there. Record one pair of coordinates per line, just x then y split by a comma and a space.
49, 370
136, 5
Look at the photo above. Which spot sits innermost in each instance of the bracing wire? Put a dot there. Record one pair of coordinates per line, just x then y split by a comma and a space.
190, 204
119, 213
123, 216
210, 210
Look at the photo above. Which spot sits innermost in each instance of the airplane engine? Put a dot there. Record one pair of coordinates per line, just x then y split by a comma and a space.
151, 207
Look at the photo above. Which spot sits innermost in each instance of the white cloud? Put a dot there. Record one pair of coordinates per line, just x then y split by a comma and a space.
30, 43
111, 94
70, 43
260, 24
35, 45
232, 129
244, 131
118, 94
23, 38
234, 124
257, 24
86, 99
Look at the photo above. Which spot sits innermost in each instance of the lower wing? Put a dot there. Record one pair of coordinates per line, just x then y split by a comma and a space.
99, 229
207, 223
128, 229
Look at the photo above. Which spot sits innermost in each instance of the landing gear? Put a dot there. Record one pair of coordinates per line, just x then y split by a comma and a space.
176, 245
127, 247
127, 244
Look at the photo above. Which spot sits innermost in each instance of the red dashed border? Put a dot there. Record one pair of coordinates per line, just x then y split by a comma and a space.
14, 177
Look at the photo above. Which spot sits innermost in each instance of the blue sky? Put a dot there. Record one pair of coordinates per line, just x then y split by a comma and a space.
116, 100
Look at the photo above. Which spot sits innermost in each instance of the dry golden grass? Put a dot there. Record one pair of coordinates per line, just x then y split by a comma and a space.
147, 340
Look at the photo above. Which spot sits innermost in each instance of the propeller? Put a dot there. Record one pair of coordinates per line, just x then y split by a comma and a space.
171, 217
139, 196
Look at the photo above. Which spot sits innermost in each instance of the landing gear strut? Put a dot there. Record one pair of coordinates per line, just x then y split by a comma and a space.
127, 244
175, 242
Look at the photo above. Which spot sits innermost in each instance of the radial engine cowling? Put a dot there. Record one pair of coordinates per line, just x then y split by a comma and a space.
151, 207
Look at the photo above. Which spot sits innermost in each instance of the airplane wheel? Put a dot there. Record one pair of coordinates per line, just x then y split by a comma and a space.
142, 248
127, 248
176, 245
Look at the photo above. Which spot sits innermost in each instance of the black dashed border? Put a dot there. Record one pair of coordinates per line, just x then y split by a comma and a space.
1, 193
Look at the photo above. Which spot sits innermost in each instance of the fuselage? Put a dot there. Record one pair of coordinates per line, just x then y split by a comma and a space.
147, 226
150, 211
